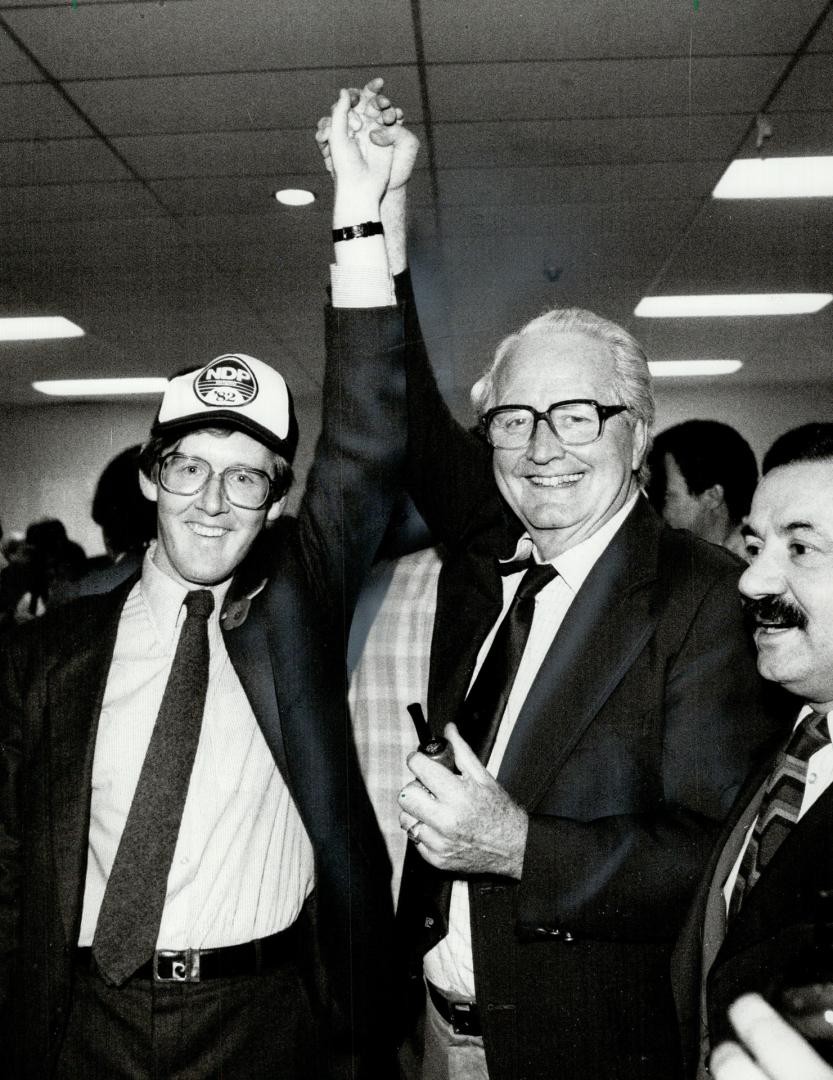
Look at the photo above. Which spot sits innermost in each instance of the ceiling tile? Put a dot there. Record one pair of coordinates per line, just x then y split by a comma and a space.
541, 29
259, 100
809, 86
178, 36
601, 88
37, 111
76, 201
15, 66
607, 183
58, 161
584, 141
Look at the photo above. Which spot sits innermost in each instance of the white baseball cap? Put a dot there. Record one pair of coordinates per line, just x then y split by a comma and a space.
233, 391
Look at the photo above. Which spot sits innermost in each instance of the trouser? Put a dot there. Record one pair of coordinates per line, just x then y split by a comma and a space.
246, 1027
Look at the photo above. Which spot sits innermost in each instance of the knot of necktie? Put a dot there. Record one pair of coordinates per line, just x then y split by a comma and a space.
536, 577
199, 603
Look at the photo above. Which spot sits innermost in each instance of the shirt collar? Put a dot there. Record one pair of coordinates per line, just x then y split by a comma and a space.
575, 564
164, 597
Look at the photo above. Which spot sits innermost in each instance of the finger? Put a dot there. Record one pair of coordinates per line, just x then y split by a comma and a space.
355, 96
354, 121
464, 757
415, 800
776, 1045
374, 85
730, 1062
439, 780
383, 136
406, 820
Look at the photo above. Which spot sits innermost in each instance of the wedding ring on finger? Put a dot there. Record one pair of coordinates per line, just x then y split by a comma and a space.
413, 835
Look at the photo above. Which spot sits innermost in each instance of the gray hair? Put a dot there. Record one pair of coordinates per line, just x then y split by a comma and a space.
631, 378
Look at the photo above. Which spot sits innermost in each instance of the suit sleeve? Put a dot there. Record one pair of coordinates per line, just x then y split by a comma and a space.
10, 834
632, 876
449, 473
359, 459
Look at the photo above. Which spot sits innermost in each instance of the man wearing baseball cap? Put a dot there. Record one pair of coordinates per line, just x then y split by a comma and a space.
192, 883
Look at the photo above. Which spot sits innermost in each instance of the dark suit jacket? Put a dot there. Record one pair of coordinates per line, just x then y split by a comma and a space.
644, 720
774, 925
287, 641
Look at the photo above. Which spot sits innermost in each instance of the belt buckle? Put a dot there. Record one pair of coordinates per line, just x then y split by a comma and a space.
176, 966
464, 1017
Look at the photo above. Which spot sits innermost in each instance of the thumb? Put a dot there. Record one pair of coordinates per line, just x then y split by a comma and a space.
465, 758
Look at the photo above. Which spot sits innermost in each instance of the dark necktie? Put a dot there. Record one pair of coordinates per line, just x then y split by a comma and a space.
780, 805
485, 702
131, 910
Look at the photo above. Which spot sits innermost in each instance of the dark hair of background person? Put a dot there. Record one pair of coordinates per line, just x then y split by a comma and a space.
126, 518
810, 442
707, 452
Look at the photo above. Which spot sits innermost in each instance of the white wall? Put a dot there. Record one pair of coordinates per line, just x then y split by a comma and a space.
51, 455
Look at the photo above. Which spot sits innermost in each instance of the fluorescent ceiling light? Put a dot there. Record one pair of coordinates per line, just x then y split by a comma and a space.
726, 304
38, 328
295, 197
100, 387
669, 369
777, 178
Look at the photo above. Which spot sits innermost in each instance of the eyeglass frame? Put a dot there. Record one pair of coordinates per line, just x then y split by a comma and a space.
271, 494
604, 413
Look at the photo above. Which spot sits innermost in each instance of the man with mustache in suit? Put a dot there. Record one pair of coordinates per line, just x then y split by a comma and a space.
756, 907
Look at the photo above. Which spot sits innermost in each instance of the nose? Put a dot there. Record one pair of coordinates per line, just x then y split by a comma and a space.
763, 576
544, 444
212, 498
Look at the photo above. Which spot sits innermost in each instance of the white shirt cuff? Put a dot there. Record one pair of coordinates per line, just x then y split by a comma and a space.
364, 287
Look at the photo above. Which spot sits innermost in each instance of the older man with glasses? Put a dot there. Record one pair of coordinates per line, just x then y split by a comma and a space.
591, 670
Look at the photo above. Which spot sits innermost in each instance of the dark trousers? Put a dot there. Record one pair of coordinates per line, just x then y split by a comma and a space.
245, 1028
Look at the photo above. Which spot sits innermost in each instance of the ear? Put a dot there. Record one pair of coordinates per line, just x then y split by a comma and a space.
640, 443
149, 489
713, 497
276, 509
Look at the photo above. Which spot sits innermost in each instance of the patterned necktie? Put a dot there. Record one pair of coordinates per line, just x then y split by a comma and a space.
483, 709
780, 805
131, 911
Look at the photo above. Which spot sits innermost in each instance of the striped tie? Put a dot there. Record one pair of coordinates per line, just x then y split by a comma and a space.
781, 803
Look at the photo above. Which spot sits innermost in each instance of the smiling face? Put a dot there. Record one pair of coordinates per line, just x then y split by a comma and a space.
202, 538
789, 583
564, 494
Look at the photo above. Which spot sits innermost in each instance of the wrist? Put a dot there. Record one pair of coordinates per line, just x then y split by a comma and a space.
348, 209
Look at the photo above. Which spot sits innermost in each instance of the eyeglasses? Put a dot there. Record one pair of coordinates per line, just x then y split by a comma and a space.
574, 423
244, 487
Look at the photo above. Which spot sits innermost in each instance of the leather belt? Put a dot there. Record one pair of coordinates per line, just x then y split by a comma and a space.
198, 965
464, 1016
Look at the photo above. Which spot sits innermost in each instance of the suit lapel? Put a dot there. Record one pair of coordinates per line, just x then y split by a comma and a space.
75, 690
606, 627
248, 648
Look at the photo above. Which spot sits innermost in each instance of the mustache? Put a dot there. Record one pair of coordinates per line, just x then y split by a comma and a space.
774, 611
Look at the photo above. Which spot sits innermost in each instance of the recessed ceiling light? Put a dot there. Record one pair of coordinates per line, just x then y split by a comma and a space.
669, 369
777, 178
38, 328
100, 387
727, 304
295, 197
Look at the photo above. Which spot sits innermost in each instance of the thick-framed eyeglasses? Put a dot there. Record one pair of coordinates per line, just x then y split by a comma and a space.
574, 423
181, 474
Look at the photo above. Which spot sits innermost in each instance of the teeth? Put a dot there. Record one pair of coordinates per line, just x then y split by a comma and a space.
205, 530
555, 481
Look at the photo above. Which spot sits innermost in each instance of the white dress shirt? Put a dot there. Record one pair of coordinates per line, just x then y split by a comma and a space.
449, 964
243, 863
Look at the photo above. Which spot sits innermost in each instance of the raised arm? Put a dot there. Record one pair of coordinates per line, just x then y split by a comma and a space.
448, 469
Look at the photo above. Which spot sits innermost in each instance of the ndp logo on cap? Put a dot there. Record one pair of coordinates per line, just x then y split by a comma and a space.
227, 382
